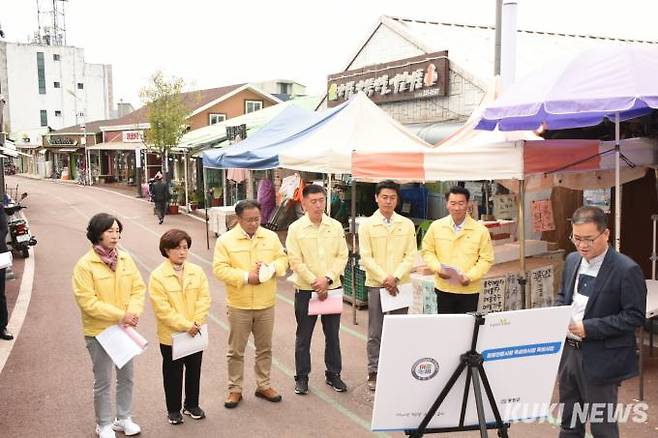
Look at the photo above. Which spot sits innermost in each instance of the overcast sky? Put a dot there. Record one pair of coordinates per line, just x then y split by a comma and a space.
211, 43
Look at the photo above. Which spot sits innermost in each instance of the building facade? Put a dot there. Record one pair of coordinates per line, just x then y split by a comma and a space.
50, 87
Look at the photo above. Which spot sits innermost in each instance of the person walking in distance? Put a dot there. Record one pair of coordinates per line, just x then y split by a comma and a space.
160, 196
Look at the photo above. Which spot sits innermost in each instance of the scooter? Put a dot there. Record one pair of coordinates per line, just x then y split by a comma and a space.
19, 236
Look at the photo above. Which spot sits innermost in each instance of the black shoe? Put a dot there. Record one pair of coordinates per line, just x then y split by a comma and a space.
4, 334
175, 418
335, 382
160, 222
372, 381
301, 386
196, 413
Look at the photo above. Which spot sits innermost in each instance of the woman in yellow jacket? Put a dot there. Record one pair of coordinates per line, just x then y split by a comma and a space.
181, 302
109, 290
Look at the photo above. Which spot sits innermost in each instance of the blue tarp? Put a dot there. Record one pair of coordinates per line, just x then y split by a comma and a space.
261, 150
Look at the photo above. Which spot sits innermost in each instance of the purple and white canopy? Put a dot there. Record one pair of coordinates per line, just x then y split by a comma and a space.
580, 91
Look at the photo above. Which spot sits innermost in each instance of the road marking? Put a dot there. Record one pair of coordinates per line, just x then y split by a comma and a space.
20, 308
284, 369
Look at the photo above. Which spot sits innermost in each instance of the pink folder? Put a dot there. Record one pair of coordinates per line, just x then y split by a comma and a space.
332, 305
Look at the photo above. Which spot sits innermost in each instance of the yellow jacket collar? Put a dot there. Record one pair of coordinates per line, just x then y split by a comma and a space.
306, 220
380, 217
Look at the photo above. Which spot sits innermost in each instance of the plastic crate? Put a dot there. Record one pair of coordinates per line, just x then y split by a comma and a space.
361, 291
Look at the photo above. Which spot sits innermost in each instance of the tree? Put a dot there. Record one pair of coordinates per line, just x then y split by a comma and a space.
167, 113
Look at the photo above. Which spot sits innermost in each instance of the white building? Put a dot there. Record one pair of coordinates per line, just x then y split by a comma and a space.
51, 87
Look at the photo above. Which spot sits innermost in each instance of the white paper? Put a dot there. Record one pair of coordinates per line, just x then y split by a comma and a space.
454, 274
121, 343
330, 293
404, 298
266, 272
183, 344
6, 260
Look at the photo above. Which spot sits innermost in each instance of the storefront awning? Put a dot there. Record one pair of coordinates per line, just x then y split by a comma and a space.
114, 146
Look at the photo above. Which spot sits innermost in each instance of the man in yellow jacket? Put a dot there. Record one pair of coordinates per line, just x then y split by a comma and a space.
109, 290
387, 244
248, 259
317, 251
459, 250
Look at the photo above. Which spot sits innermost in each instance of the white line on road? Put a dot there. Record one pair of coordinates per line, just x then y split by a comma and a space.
20, 309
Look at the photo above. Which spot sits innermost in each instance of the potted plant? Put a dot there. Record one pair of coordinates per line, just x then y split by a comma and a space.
175, 199
195, 199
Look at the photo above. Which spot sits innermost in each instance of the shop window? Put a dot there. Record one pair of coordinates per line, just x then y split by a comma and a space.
252, 105
214, 118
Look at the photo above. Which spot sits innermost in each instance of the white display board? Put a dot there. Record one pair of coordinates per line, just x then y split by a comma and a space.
419, 353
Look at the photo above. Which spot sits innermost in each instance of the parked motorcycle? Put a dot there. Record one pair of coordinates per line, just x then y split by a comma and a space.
19, 236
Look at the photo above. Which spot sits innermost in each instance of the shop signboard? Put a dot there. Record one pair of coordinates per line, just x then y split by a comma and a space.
61, 141
419, 77
133, 136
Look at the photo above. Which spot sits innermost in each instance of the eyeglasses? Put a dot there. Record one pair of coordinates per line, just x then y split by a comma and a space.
585, 242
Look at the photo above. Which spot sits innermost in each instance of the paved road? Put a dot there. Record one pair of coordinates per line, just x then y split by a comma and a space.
45, 387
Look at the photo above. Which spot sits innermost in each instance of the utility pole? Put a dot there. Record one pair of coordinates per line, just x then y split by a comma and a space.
499, 25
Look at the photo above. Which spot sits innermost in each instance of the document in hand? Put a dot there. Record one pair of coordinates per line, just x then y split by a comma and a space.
183, 344
403, 299
454, 274
121, 343
332, 305
266, 272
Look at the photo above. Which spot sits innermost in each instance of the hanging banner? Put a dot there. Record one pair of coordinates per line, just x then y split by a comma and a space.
542, 216
138, 158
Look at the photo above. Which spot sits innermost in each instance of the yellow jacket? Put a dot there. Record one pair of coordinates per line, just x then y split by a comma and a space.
387, 250
469, 250
236, 254
104, 296
178, 306
316, 251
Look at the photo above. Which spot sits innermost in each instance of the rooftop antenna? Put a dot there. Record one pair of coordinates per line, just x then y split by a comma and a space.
51, 22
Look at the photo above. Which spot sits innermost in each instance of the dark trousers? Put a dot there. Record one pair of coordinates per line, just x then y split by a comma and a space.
448, 302
305, 326
160, 209
576, 391
4, 314
172, 376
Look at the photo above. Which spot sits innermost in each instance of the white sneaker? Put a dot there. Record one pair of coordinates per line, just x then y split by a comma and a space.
105, 431
127, 426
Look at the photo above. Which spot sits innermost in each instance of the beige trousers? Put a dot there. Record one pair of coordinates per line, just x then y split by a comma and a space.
242, 324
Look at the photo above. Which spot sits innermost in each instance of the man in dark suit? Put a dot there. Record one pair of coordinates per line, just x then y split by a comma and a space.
160, 196
607, 294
